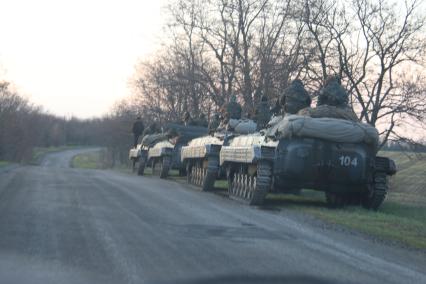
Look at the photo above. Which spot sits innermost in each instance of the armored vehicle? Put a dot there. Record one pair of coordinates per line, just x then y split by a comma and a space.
335, 156
184, 134
201, 156
161, 152
248, 161
201, 159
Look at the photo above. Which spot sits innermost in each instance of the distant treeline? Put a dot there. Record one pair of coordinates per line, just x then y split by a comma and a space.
24, 126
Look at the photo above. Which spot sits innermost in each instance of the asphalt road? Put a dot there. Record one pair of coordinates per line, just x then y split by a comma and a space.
64, 225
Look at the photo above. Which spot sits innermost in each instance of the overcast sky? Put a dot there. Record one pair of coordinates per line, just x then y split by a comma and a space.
75, 57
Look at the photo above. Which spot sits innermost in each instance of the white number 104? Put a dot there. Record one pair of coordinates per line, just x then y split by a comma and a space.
347, 161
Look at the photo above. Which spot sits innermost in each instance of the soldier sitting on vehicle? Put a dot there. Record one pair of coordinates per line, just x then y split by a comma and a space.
138, 129
276, 110
333, 102
233, 109
333, 94
295, 98
187, 119
214, 123
262, 113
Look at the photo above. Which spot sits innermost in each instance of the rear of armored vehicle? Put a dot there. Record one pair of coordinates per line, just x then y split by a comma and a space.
346, 172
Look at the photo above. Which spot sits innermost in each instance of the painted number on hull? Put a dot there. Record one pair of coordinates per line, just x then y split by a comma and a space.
347, 161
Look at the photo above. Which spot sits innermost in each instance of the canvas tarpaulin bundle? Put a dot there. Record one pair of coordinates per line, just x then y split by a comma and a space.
330, 111
331, 129
242, 126
149, 140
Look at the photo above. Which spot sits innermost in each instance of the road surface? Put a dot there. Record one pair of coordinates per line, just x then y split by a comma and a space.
65, 225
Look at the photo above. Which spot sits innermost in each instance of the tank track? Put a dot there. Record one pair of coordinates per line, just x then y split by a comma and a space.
161, 167
377, 194
204, 177
251, 189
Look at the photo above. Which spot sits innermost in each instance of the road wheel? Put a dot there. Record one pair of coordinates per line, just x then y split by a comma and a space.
375, 196
250, 189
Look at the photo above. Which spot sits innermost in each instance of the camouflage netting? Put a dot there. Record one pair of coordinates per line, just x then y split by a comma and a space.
331, 129
330, 111
333, 94
295, 97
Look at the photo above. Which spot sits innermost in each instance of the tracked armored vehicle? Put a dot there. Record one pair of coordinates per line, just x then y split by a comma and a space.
201, 160
161, 152
248, 161
184, 135
336, 156
331, 155
201, 156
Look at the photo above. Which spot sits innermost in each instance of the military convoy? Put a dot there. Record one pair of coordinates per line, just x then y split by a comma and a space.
161, 152
324, 148
260, 163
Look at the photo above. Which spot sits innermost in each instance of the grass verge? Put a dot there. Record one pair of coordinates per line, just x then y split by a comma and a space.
40, 152
89, 160
397, 222
4, 163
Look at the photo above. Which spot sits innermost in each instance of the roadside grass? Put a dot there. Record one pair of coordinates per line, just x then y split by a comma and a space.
40, 152
90, 160
4, 163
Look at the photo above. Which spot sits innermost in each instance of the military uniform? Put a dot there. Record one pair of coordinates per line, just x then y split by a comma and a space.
214, 123
137, 129
187, 119
263, 113
333, 94
332, 102
233, 109
295, 97
276, 110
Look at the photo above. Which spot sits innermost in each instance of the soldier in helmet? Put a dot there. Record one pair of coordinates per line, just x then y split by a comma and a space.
276, 110
137, 130
295, 97
187, 119
333, 101
214, 123
233, 109
262, 113
333, 94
